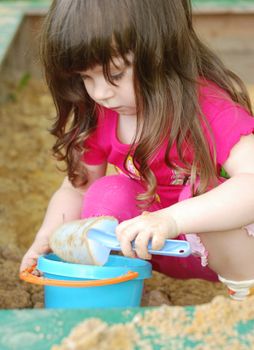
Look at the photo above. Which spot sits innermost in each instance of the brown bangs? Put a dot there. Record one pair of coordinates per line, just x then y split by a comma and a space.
76, 44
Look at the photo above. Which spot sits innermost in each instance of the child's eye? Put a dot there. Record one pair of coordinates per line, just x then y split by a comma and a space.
84, 76
116, 77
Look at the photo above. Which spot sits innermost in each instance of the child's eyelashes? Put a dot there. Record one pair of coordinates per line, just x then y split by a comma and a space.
112, 77
84, 76
116, 77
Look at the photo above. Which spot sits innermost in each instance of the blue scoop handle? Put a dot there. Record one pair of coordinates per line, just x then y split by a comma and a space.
172, 247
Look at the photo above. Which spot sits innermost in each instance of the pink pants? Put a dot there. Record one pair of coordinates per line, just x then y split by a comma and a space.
115, 195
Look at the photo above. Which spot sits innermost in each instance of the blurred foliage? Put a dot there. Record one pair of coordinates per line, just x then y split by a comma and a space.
23, 82
21, 85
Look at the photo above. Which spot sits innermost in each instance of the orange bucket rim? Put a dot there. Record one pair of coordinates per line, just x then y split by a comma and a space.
28, 276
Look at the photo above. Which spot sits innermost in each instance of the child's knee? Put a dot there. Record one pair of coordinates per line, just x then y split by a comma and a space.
117, 188
113, 195
231, 256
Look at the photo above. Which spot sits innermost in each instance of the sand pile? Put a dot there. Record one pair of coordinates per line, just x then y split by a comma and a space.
171, 328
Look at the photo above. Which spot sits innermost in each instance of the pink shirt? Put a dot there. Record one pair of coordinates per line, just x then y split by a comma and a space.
228, 122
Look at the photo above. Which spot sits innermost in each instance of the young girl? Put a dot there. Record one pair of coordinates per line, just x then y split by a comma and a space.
134, 87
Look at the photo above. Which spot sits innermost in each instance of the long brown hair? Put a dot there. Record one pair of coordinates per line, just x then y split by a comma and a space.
169, 60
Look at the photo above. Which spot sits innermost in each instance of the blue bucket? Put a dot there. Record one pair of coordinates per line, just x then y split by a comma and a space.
118, 283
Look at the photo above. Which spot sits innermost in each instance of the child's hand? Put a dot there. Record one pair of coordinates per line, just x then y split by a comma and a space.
156, 226
39, 247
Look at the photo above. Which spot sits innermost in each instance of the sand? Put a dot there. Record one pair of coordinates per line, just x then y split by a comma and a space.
28, 177
167, 328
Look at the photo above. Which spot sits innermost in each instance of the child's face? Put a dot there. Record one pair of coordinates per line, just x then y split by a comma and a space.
119, 97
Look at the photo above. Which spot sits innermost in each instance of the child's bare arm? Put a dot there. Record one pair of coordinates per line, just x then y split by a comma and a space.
228, 206
65, 205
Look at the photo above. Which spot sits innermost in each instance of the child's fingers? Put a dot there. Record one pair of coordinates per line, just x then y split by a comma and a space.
126, 247
37, 273
141, 243
125, 237
38, 248
122, 227
158, 241
27, 262
134, 231
127, 226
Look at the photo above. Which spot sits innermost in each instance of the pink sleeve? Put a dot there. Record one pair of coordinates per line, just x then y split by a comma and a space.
228, 126
94, 154
97, 143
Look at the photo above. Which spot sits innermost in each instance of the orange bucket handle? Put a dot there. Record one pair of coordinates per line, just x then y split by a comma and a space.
27, 275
